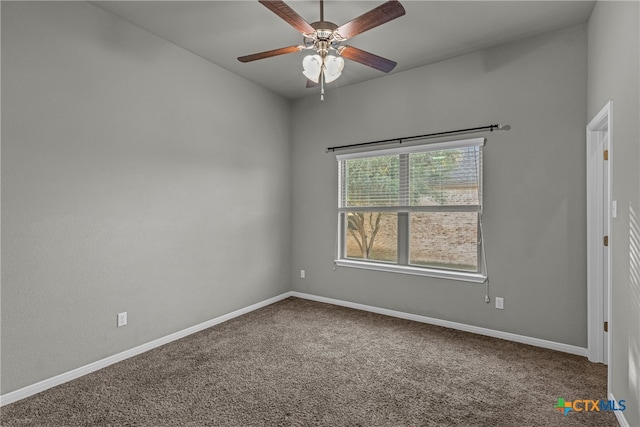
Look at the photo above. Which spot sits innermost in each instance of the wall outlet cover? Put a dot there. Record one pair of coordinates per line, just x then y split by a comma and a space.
122, 319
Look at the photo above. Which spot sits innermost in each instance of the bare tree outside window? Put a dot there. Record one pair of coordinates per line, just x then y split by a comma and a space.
372, 181
375, 182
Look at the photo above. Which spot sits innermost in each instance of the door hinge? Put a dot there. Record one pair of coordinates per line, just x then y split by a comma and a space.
606, 240
606, 326
606, 154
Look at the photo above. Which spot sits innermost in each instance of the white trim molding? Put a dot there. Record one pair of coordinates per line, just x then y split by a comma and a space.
38, 387
537, 342
43, 385
599, 138
416, 271
622, 420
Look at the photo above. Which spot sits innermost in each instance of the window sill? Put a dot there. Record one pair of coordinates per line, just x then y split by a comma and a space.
416, 271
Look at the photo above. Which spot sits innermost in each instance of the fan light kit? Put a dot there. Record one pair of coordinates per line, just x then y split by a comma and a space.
329, 68
325, 38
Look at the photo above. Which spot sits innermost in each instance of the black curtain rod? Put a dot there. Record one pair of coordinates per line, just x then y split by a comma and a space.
410, 138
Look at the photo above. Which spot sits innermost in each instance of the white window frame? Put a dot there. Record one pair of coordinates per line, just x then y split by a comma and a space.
403, 215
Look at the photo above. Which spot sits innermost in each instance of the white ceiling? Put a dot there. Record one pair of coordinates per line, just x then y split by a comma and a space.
431, 31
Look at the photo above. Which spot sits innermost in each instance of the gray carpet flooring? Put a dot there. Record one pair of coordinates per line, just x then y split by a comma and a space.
304, 363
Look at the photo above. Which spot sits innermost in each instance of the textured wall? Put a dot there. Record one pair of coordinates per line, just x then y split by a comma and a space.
135, 177
534, 183
614, 75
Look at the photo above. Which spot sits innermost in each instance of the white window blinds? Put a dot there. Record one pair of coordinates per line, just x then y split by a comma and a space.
418, 178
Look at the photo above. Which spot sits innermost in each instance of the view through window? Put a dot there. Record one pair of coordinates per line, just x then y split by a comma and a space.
413, 206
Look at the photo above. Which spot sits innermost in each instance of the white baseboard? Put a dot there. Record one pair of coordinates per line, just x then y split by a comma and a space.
622, 420
30, 390
566, 348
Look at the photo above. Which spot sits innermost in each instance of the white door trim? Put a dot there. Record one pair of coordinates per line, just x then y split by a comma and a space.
599, 138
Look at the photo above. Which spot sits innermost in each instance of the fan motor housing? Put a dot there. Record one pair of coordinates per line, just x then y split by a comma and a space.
324, 29
324, 38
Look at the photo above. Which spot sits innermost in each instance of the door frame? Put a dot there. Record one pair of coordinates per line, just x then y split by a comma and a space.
599, 138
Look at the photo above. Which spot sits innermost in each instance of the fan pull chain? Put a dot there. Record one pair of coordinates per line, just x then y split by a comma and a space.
322, 85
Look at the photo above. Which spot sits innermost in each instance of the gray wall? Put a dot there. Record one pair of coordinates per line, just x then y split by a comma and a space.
534, 183
135, 177
614, 74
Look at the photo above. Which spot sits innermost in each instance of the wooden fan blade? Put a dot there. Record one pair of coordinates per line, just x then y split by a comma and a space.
386, 12
285, 12
311, 83
368, 59
270, 53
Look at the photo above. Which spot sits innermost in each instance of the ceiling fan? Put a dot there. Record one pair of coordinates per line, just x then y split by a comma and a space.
326, 38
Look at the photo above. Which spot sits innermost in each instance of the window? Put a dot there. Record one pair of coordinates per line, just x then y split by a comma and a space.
413, 210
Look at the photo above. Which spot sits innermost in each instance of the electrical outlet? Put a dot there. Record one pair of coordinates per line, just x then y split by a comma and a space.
122, 319
500, 303
302, 274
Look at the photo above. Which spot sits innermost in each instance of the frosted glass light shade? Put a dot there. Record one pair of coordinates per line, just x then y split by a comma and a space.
333, 66
312, 66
